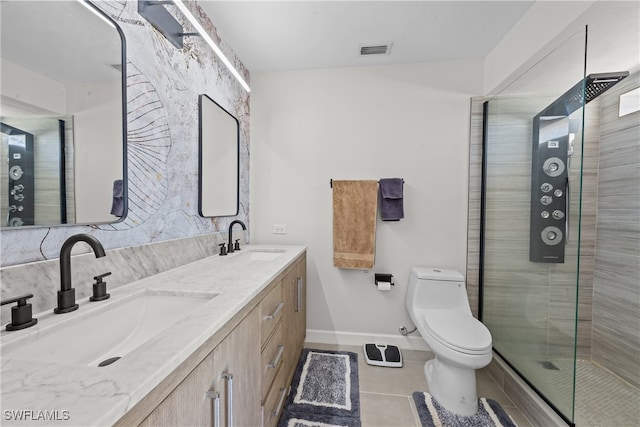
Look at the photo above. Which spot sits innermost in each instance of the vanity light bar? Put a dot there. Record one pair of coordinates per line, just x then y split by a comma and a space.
95, 12
192, 19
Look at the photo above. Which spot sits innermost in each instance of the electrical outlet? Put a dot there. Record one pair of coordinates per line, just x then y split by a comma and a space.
279, 229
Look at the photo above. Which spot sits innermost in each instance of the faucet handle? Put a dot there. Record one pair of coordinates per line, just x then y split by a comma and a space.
100, 288
21, 314
236, 246
223, 249
99, 277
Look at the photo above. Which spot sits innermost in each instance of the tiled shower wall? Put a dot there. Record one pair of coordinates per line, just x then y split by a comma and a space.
616, 296
163, 84
609, 294
506, 260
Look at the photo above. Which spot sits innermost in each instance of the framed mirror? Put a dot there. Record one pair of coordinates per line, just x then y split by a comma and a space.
219, 156
63, 115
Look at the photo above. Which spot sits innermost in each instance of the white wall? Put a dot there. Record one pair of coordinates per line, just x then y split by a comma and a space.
528, 41
97, 126
408, 121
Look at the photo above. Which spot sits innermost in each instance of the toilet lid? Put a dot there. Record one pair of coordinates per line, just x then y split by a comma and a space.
459, 331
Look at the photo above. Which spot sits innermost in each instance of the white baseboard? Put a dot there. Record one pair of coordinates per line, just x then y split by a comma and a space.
414, 342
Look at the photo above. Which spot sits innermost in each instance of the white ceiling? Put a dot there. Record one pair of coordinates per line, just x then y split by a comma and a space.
290, 35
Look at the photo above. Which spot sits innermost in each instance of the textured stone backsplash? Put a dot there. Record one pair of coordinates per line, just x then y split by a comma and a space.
163, 85
42, 278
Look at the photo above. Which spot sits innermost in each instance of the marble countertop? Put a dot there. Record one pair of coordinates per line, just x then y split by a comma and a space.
59, 393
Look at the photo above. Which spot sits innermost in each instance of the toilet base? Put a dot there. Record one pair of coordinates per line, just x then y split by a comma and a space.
452, 386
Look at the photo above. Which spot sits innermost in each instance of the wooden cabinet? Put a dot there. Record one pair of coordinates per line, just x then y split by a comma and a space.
188, 404
295, 314
237, 363
229, 374
245, 379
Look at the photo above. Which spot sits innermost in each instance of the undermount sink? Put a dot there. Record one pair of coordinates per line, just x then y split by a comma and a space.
266, 254
103, 335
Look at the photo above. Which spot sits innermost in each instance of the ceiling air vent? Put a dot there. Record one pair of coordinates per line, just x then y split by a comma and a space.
376, 49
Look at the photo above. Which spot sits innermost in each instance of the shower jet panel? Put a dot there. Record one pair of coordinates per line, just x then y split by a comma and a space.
21, 187
553, 135
549, 191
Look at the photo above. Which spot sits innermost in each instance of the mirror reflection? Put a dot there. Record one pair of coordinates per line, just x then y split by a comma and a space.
62, 115
219, 160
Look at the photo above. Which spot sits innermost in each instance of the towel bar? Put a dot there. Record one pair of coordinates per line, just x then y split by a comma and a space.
331, 182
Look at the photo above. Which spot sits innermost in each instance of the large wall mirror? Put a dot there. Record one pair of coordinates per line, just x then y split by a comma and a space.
219, 160
63, 115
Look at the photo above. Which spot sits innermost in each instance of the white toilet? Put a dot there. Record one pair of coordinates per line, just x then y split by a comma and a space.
438, 305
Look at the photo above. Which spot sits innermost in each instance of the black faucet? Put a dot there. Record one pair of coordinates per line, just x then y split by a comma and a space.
231, 247
67, 294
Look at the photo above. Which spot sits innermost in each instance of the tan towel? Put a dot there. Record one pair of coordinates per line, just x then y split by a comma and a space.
355, 210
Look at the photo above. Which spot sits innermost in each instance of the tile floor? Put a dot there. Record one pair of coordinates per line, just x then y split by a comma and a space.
385, 393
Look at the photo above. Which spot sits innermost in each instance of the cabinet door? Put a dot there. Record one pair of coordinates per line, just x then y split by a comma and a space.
237, 367
295, 315
231, 371
188, 404
301, 295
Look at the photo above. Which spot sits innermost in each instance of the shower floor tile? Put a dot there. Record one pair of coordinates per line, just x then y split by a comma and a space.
602, 399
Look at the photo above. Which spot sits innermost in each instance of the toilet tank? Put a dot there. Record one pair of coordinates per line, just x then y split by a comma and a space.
437, 288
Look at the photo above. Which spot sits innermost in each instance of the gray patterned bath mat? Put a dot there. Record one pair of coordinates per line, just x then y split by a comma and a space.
490, 414
324, 391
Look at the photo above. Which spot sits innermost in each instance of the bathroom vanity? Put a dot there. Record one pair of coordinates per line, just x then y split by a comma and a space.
234, 330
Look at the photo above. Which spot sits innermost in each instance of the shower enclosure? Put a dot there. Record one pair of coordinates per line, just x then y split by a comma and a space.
556, 291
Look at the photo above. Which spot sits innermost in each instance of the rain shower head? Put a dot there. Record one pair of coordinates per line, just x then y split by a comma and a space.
591, 86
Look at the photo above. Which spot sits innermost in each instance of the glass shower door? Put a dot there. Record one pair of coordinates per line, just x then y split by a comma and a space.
531, 233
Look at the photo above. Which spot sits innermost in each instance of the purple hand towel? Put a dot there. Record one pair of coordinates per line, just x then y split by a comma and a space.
391, 199
117, 205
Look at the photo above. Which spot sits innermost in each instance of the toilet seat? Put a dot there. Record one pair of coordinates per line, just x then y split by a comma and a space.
458, 331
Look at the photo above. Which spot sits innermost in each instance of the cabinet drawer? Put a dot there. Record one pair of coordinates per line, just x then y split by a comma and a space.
275, 400
272, 357
271, 308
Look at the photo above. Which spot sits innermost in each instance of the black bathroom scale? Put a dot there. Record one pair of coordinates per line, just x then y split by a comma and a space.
383, 355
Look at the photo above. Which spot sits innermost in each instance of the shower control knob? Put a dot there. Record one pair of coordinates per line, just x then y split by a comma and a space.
557, 214
18, 197
553, 167
15, 222
558, 192
15, 172
546, 200
551, 235
13, 208
546, 187
544, 214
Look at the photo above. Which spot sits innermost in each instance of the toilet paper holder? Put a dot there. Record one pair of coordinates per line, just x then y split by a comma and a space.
379, 277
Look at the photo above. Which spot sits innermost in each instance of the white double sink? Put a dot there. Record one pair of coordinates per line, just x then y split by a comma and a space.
114, 328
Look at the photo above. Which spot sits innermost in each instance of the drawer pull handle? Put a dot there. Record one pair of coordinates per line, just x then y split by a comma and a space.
299, 294
229, 379
215, 395
275, 313
276, 361
283, 394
